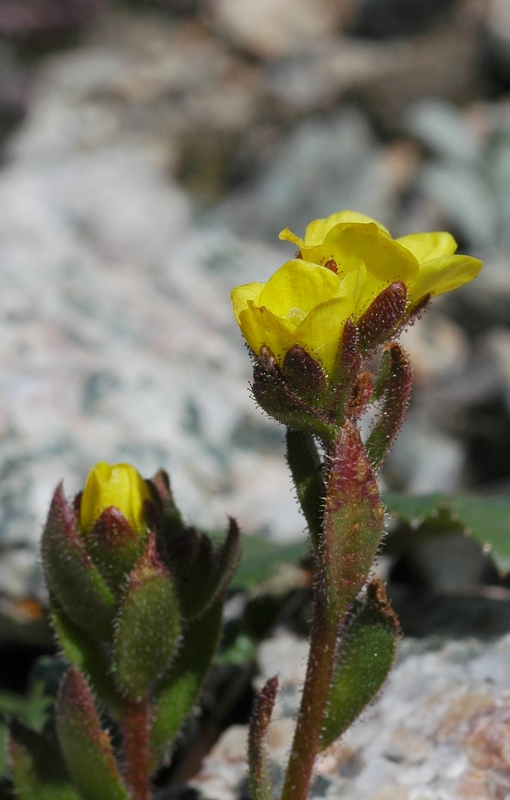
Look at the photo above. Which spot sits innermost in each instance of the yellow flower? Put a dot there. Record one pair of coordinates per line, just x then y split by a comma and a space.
344, 262
119, 485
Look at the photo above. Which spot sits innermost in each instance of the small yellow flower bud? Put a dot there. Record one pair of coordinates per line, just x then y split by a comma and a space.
119, 485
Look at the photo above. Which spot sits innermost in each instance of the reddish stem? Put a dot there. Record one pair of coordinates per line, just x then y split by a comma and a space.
313, 703
136, 727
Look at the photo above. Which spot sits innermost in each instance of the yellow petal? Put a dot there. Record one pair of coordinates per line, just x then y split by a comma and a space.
119, 485
260, 326
241, 296
298, 285
353, 285
443, 275
320, 333
385, 259
287, 235
317, 230
426, 246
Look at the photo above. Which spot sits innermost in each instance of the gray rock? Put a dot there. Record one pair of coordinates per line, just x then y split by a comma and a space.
322, 165
438, 730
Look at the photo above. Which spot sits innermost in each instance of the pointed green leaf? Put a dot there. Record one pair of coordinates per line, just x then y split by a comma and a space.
180, 689
82, 651
305, 467
258, 763
364, 659
486, 519
353, 522
38, 769
148, 626
70, 574
395, 399
86, 747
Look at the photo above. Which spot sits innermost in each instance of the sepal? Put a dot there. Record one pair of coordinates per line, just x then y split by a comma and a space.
71, 574
276, 397
394, 389
383, 317
114, 547
148, 626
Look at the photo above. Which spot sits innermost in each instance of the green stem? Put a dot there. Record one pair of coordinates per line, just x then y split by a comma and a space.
313, 703
136, 727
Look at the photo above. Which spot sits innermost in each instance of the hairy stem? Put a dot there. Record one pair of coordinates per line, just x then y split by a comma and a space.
313, 703
136, 726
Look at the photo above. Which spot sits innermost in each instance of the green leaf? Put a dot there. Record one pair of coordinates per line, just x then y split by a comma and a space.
364, 659
179, 690
70, 574
305, 466
485, 519
85, 746
258, 763
82, 651
32, 708
38, 769
261, 557
148, 626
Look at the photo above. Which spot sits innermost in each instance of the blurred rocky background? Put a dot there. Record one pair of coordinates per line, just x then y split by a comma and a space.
150, 152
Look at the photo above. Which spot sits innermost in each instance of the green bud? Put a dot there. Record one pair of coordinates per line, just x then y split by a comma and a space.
148, 626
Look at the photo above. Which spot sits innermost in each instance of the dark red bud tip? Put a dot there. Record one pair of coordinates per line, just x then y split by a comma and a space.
383, 317
304, 374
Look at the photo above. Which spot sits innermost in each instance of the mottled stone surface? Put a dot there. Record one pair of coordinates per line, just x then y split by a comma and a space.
439, 731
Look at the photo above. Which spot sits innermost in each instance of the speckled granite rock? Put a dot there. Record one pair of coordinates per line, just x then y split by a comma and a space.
117, 338
439, 731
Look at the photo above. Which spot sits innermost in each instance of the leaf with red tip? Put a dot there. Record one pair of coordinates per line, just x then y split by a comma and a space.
86, 747
148, 626
395, 390
70, 573
260, 781
353, 522
38, 769
383, 317
364, 658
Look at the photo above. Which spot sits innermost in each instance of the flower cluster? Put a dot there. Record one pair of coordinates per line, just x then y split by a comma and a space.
344, 263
